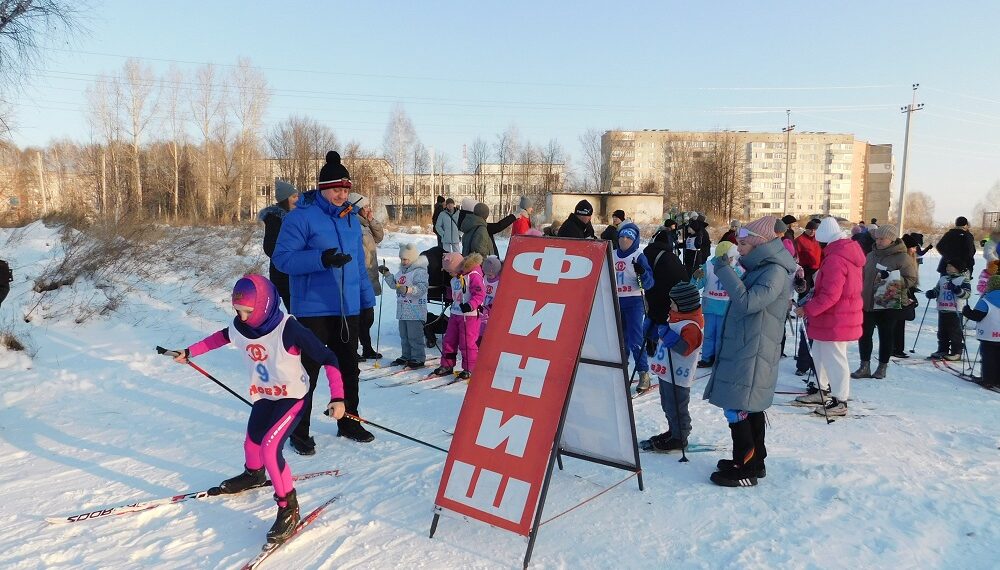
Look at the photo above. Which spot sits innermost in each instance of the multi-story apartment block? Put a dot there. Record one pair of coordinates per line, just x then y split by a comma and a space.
827, 173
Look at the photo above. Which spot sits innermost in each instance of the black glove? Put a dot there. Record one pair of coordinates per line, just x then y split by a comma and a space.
883, 274
650, 347
333, 259
931, 294
383, 269
465, 307
639, 269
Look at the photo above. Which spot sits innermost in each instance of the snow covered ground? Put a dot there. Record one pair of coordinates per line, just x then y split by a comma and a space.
95, 418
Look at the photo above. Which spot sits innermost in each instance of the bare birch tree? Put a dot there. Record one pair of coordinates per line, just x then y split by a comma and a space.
139, 99
298, 144
397, 145
208, 100
174, 126
252, 98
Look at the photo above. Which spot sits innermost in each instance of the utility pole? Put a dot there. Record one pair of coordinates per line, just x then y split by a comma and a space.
789, 127
909, 110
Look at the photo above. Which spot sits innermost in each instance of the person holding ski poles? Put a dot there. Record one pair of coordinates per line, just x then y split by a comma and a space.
272, 344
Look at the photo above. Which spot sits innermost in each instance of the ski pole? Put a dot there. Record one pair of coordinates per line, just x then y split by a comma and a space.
921, 327
378, 328
819, 383
965, 346
394, 432
172, 353
677, 406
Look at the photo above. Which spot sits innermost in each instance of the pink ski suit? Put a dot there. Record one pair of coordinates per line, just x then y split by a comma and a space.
463, 324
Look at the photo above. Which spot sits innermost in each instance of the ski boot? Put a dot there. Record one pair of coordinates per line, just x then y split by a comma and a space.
464, 375
249, 479
287, 519
442, 371
644, 383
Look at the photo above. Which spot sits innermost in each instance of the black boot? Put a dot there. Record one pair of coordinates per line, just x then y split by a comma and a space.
305, 446
742, 473
287, 519
353, 430
249, 479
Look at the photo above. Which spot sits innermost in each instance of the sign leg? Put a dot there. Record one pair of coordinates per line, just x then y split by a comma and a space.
434, 524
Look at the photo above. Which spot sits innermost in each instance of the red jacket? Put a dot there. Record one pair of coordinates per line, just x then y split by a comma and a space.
521, 226
834, 313
808, 251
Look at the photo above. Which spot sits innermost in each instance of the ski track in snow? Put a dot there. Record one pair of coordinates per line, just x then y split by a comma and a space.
96, 419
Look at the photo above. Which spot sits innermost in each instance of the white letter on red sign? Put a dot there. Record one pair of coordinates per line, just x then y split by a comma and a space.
550, 269
509, 370
485, 495
547, 319
493, 433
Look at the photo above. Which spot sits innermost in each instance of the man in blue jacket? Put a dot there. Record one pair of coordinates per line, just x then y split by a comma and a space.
320, 248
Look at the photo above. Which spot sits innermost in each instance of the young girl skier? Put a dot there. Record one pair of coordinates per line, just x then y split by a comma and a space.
491, 280
467, 293
411, 304
273, 344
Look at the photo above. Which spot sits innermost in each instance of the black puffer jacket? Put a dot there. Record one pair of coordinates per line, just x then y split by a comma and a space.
956, 243
667, 272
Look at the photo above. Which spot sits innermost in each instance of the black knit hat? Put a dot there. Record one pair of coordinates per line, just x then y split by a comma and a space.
813, 224
333, 174
620, 214
789, 219
686, 296
584, 208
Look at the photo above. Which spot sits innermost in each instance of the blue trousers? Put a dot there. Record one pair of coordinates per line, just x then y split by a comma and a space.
676, 408
713, 335
632, 323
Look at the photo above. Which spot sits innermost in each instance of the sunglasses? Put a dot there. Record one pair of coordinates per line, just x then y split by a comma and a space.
744, 233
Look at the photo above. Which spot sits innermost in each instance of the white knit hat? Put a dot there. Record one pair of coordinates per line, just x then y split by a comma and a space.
829, 230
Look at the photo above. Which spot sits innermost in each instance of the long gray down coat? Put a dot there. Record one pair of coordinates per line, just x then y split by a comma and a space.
746, 366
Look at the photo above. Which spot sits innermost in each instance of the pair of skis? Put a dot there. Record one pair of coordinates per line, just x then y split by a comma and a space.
141, 506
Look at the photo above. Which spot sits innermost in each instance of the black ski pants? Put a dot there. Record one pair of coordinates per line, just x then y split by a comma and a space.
340, 334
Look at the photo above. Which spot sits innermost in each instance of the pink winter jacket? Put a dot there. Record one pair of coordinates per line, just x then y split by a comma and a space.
835, 311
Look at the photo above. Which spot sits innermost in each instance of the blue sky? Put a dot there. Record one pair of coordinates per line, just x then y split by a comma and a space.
467, 69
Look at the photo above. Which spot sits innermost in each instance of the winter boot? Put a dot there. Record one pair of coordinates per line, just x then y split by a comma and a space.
737, 477
305, 446
249, 479
834, 407
812, 398
660, 438
880, 371
287, 519
644, 383
370, 353
464, 375
398, 362
414, 364
863, 371
953, 357
667, 445
706, 363
353, 430
442, 371
729, 465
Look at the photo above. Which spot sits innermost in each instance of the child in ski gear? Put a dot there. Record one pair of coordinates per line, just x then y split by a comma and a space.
491, 280
987, 317
833, 315
952, 291
716, 300
467, 293
992, 268
273, 344
746, 367
634, 276
410, 283
674, 361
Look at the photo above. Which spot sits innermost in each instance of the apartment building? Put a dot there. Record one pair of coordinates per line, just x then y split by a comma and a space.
827, 173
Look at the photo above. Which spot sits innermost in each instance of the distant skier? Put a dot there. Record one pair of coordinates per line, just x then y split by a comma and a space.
272, 343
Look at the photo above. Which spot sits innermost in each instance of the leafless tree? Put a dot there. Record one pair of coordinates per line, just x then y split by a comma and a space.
479, 154
989, 203
208, 101
22, 23
252, 97
592, 161
419, 165
505, 152
919, 212
174, 127
140, 99
104, 106
397, 145
298, 144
